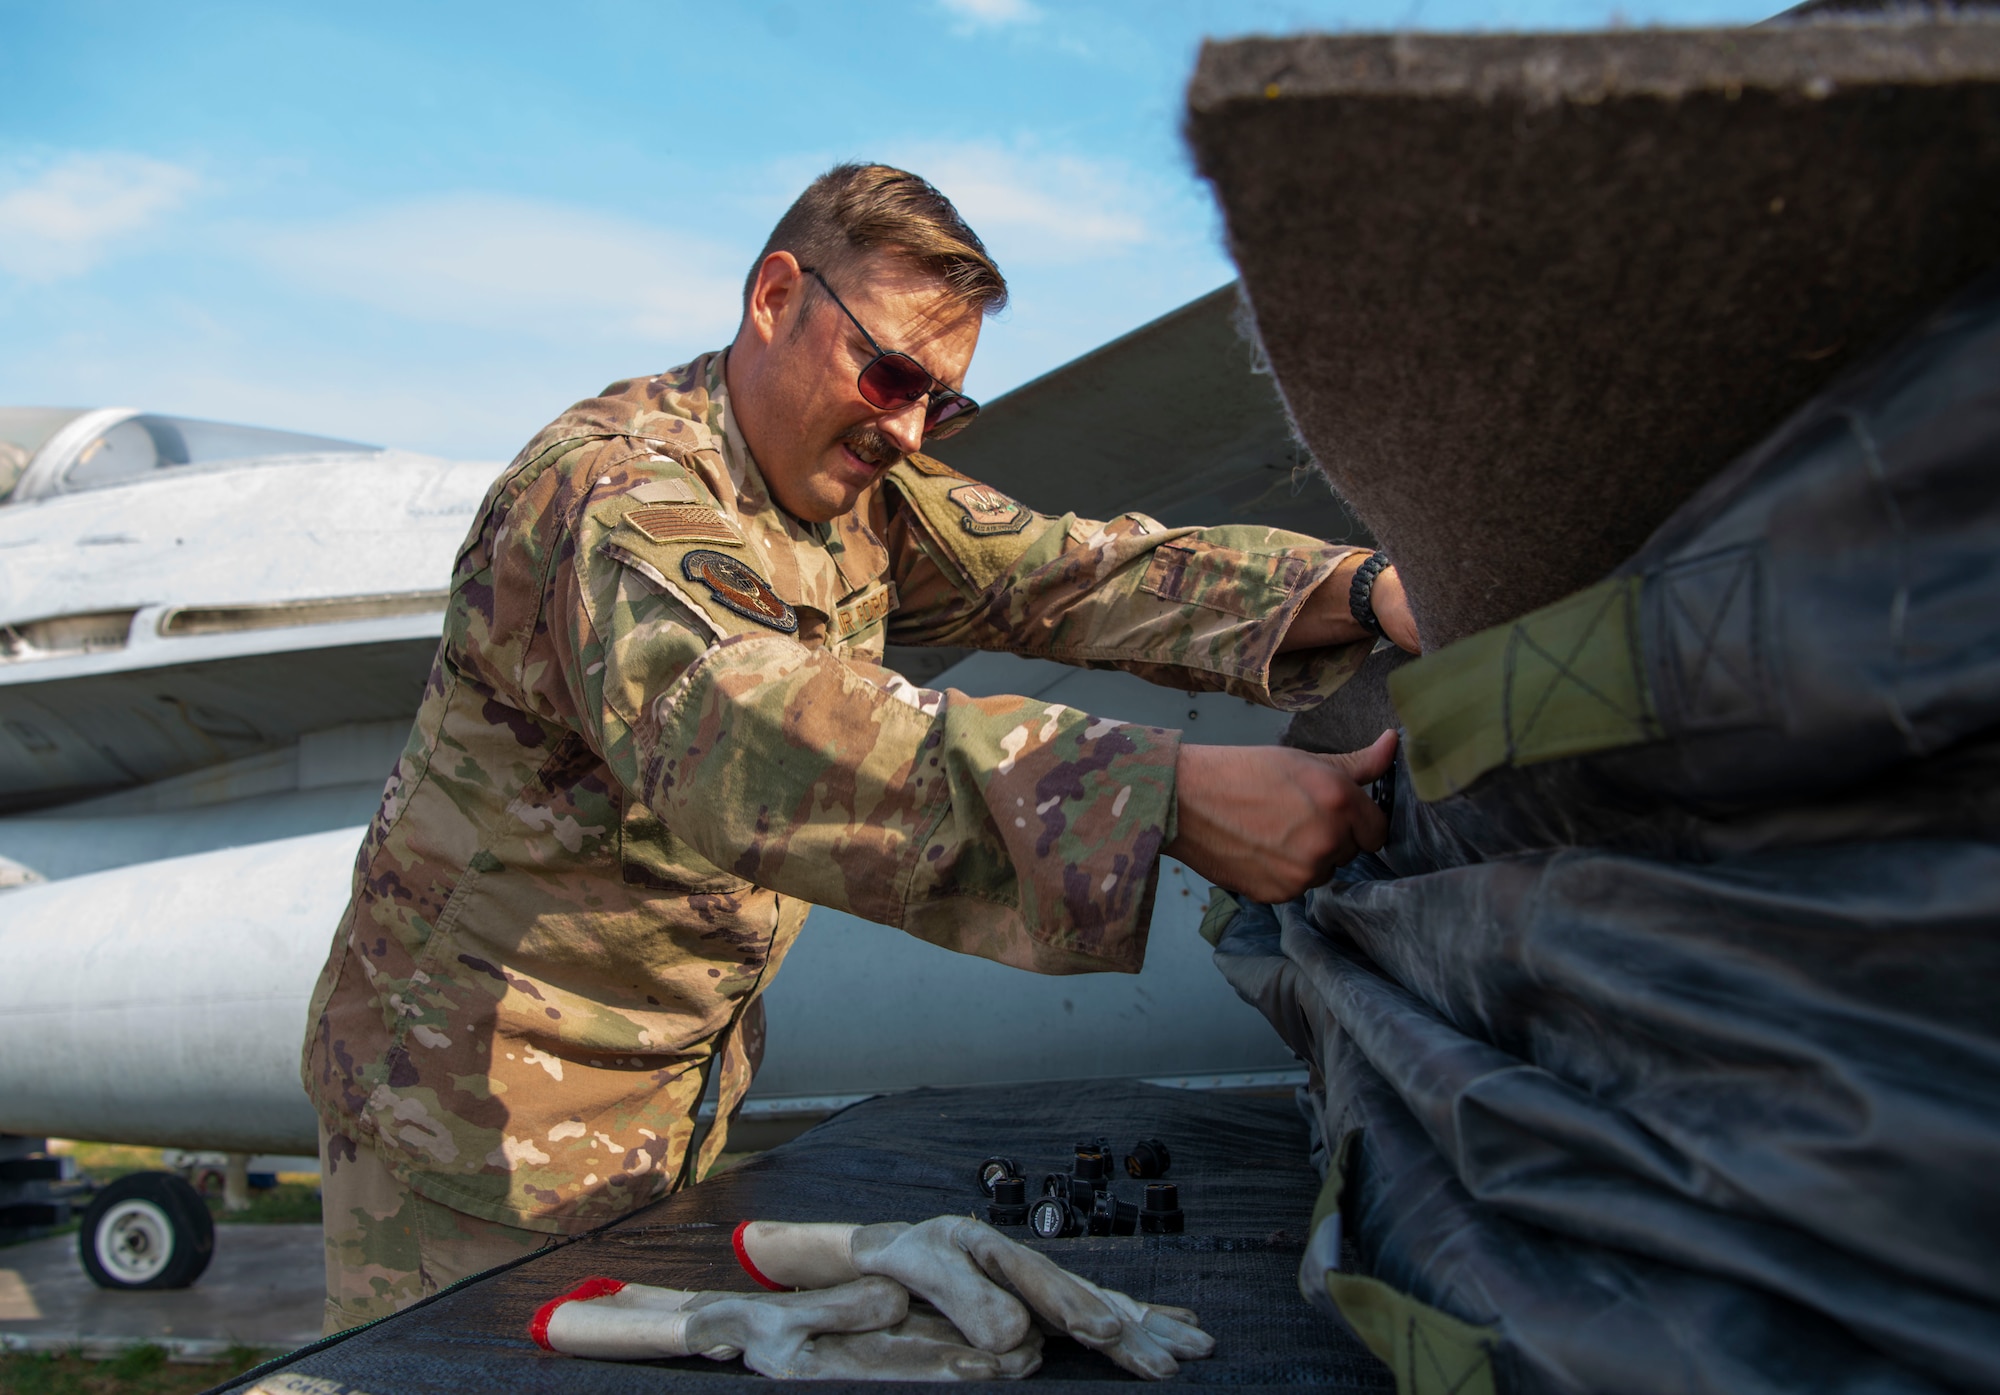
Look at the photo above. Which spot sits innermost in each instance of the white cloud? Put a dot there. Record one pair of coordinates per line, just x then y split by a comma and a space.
1038, 208
63, 219
993, 13
517, 265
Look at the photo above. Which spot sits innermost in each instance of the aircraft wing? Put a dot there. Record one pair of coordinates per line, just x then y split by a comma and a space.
1176, 419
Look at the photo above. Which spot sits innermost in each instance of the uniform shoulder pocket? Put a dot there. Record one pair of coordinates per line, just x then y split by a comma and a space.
669, 530
723, 589
984, 532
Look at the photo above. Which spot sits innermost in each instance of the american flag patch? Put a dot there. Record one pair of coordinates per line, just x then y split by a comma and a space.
684, 523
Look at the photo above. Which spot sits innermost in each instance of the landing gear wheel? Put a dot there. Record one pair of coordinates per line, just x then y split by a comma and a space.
148, 1230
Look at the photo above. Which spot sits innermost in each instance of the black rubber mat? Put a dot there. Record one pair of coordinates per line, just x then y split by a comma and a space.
1240, 1164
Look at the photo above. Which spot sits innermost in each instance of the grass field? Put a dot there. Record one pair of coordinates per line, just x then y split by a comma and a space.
139, 1371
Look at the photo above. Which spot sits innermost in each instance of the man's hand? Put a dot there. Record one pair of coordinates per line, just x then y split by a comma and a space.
1325, 618
1270, 822
1392, 608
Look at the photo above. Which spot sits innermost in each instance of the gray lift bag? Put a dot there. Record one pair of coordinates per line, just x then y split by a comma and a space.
1659, 1050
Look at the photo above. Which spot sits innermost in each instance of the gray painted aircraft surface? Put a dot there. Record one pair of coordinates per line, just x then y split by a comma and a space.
212, 639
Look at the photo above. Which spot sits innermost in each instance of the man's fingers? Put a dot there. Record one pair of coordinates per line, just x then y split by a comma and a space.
1369, 764
1367, 825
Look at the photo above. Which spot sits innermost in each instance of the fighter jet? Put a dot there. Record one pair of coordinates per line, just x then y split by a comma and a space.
212, 641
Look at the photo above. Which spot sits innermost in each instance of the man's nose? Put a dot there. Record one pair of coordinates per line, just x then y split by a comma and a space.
906, 427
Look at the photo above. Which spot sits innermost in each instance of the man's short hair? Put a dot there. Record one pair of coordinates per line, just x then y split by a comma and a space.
854, 210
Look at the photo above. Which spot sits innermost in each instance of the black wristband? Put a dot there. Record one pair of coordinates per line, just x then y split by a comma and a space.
1361, 591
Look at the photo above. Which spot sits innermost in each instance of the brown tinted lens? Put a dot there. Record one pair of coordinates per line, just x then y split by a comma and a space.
894, 380
949, 413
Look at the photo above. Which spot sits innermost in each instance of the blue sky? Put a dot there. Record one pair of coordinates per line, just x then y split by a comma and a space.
434, 225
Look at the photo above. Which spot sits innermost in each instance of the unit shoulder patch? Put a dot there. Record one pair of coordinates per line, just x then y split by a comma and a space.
684, 523
988, 512
738, 588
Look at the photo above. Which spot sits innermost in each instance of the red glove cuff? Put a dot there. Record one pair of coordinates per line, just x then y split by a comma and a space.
588, 1289
749, 1266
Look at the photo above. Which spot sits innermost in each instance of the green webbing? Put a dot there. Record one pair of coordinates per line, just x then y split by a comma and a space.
1565, 680
1222, 909
1431, 1352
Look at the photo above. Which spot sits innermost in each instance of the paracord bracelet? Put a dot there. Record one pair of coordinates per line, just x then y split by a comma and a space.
1360, 593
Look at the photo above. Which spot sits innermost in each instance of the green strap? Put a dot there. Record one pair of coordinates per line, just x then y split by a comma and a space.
1221, 910
1565, 680
1430, 1352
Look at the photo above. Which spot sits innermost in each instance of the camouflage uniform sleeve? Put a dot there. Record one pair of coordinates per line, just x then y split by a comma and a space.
1198, 609
1020, 830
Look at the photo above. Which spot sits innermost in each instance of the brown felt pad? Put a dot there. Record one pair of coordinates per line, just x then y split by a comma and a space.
1524, 294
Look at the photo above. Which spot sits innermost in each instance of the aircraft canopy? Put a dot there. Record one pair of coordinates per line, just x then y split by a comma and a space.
62, 450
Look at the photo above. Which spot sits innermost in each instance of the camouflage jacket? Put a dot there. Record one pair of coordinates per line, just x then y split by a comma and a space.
657, 730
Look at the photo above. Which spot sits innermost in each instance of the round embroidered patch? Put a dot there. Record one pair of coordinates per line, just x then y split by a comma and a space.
740, 589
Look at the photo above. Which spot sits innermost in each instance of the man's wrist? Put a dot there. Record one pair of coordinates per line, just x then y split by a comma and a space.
1324, 619
1360, 590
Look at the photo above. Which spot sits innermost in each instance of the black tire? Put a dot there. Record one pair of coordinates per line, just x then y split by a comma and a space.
148, 1230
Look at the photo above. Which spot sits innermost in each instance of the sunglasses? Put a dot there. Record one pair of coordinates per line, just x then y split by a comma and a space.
891, 381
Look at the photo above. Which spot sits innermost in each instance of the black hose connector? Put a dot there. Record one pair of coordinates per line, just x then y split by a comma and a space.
1162, 1214
1010, 1202
1149, 1158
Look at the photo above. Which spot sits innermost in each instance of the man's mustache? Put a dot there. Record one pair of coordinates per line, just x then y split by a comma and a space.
872, 446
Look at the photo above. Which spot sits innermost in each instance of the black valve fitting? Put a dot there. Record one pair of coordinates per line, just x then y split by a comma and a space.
1162, 1214
993, 1169
1149, 1158
1110, 1216
1010, 1202
1082, 1201
1072, 1189
1053, 1218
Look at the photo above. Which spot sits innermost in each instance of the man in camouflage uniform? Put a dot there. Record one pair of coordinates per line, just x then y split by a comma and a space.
658, 730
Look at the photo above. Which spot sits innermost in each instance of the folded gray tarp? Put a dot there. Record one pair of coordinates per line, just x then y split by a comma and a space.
1660, 1049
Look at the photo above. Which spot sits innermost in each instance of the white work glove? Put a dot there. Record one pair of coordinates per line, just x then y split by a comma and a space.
858, 1331
954, 1262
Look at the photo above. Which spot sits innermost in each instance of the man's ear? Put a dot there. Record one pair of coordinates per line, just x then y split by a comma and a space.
776, 296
